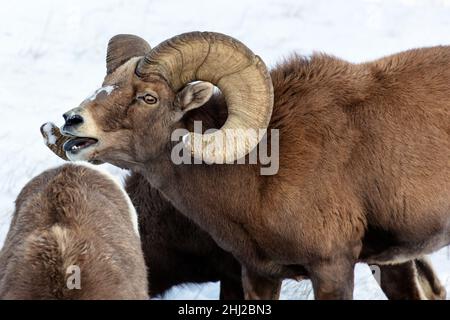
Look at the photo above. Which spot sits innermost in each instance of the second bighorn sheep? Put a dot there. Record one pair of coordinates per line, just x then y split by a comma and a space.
363, 162
73, 236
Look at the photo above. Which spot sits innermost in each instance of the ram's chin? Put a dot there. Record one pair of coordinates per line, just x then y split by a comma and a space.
80, 148
82, 155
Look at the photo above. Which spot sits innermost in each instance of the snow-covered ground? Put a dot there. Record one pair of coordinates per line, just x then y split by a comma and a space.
52, 55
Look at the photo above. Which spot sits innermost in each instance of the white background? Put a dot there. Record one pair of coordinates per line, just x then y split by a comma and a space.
52, 56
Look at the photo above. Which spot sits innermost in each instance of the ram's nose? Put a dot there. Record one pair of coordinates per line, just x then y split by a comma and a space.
72, 120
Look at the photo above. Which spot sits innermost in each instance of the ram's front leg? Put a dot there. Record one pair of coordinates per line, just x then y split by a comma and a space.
257, 287
332, 279
231, 289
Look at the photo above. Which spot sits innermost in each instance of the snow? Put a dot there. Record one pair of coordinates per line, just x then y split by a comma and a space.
53, 53
107, 89
50, 138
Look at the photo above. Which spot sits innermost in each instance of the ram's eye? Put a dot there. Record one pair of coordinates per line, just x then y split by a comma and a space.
148, 98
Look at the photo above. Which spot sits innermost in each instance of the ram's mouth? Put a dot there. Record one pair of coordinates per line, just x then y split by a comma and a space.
76, 144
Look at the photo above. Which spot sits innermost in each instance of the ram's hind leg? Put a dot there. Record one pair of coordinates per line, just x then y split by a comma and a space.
430, 283
411, 280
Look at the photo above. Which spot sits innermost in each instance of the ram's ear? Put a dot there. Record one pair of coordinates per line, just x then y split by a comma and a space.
194, 95
122, 48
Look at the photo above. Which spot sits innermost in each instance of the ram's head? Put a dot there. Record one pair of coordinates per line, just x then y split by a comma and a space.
147, 91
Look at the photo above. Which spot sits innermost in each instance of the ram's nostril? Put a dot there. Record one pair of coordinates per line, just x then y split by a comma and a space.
73, 120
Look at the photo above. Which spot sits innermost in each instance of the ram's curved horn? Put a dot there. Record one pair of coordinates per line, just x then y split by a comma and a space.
122, 48
227, 63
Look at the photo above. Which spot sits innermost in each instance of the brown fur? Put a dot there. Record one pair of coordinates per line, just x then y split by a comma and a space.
72, 215
176, 251
411, 280
170, 240
364, 171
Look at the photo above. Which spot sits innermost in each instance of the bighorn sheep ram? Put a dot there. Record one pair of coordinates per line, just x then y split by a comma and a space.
363, 172
73, 236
